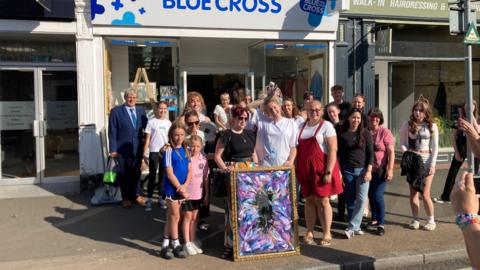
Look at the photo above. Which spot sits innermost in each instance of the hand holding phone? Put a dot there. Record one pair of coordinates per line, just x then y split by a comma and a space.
476, 183
464, 200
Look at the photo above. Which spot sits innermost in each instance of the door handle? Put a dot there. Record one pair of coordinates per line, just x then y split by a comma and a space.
35, 128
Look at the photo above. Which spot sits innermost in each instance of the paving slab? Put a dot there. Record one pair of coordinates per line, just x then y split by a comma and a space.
59, 231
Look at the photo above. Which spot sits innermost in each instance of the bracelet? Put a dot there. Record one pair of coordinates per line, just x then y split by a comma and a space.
463, 220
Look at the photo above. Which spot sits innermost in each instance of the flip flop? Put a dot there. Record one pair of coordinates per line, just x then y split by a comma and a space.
325, 242
308, 240
227, 253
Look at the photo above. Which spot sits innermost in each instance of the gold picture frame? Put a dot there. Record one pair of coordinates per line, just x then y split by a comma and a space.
264, 204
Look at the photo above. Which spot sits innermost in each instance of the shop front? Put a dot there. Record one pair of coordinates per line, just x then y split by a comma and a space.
416, 55
215, 46
38, 94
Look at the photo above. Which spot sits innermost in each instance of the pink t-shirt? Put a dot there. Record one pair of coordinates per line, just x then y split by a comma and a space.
381, 140
199, 172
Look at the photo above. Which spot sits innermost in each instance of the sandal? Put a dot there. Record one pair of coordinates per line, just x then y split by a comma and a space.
308, 240
227, 253
325, 242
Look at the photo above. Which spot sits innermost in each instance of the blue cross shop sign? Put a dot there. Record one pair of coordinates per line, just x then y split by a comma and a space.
265, 15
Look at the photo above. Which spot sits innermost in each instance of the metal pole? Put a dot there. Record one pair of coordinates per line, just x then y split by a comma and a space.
468, 78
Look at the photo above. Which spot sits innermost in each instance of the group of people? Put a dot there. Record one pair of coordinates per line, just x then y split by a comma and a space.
337, 150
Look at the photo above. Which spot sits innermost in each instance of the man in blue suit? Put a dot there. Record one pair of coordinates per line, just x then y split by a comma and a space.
125, 134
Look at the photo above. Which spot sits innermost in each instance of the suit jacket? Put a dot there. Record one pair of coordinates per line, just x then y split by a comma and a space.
123, 137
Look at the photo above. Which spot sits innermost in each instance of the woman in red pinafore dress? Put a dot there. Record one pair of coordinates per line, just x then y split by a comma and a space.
318, 171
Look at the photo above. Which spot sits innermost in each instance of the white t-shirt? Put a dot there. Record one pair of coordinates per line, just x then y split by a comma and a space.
220, 112
299, 120
275, 140
158, 130
327, 130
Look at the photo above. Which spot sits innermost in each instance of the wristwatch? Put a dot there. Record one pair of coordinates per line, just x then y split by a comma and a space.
328, 172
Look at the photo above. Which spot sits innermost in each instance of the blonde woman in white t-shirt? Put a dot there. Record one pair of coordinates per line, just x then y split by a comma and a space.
222, 112
156, 137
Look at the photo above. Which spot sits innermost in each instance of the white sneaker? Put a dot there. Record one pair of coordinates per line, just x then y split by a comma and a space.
148, 205
198, 243
440, 201
359, 232
349, 233
162, 203
430, 226
414, 224
189, 249
197, 249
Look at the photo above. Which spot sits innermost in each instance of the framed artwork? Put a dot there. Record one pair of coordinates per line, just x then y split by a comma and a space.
264, 213
142, 91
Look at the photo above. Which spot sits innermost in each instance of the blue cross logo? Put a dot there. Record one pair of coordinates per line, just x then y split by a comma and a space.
117, 4
142, 10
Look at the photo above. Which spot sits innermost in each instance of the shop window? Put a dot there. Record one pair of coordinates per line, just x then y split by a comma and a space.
54, 10
37, 51
441, 82
298, 68
156, 60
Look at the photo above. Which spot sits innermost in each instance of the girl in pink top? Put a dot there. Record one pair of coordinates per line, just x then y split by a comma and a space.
196, 189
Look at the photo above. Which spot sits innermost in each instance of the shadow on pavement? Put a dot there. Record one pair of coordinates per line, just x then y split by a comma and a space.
133, 228
346, 260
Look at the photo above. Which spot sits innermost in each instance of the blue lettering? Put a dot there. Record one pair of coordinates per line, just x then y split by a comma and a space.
277, 5
193, 7
235, 4
219, 7
265, 7
168, 4
204, 5
179, 5
252, 9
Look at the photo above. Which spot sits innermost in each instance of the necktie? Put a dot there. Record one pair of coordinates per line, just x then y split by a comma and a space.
134, 117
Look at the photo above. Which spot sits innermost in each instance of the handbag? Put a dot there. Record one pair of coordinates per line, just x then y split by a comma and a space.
114, 167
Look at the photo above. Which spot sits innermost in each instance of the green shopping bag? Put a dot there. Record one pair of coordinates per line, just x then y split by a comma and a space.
112, 171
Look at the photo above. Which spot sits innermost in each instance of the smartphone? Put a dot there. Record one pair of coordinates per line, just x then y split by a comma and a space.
476, 182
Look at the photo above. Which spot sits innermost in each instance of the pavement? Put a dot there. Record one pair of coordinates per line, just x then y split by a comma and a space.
43, 228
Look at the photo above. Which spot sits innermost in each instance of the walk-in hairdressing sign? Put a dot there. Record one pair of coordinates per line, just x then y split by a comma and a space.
273, 15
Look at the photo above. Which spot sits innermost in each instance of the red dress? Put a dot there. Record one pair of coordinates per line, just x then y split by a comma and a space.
311, 162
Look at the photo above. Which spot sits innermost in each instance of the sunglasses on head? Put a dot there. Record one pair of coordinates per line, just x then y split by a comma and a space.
193, 123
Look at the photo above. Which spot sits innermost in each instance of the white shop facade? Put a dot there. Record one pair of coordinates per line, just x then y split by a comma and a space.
209, 46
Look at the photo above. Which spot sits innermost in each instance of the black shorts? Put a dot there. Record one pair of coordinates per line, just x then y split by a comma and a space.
190, 205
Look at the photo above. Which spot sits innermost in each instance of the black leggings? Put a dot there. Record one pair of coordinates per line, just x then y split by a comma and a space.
452, 174
155, 162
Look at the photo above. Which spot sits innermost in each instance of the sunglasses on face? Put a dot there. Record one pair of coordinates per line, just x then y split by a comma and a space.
193, 123
242, 118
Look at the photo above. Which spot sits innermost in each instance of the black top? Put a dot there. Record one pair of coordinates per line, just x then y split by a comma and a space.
238, 146
353, 155
461, 141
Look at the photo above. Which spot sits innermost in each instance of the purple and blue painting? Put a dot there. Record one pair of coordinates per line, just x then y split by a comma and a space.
264, 212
